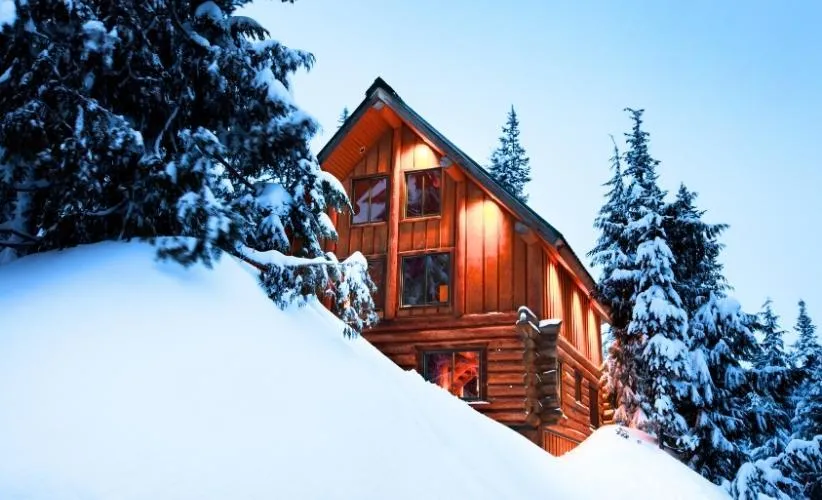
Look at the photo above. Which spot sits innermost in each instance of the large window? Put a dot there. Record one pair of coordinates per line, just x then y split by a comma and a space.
424, 193
458, 372
426, 279
370, 200
376, 269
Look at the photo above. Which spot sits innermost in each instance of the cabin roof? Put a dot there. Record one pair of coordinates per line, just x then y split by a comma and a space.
380, 91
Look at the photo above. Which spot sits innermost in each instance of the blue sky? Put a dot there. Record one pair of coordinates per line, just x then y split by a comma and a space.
732, 93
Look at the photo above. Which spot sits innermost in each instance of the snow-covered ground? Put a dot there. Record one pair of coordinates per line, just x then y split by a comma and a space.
126, 378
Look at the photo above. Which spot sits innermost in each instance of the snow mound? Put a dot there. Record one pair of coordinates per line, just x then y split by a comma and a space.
126, 378
629, 462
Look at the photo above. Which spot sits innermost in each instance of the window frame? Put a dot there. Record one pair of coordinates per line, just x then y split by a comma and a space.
401, 271
382, 260
481, 368
371, 177
441, 188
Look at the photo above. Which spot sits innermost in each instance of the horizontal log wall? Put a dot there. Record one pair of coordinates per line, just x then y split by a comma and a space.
504, 370
576, 420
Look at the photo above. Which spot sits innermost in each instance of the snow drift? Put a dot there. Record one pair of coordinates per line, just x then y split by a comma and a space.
122, 377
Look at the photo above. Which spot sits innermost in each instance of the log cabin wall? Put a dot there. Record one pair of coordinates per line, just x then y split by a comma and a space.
579, 381
503, 391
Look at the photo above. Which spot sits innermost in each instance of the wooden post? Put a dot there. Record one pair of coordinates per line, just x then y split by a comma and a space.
392, 264
540, 359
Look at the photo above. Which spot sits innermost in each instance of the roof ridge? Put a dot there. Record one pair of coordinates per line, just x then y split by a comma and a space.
379, 83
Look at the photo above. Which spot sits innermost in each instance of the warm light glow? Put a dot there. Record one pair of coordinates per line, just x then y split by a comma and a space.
578, 322
593, 337
424, 156
554, 293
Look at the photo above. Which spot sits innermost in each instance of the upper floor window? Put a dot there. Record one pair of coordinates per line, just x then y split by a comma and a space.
376, 269
426, 279
423, 193
370, 200
458, 372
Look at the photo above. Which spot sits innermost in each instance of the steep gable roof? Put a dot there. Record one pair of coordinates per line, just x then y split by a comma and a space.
381, 92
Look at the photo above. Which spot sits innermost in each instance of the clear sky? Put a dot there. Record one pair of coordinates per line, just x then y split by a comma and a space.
732, 93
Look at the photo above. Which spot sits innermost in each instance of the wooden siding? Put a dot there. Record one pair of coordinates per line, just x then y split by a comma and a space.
504, 370
576, 420
494, 270
557, 444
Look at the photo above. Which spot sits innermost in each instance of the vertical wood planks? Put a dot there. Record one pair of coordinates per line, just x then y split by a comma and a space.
474, 251
491, 215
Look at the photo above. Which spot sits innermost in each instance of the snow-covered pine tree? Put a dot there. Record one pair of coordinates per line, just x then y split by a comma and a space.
343, 117
169, 120
509, 164
807, 419
721, 340
658, 316
696, 248
615, 289
774, 380
807, 352
794, 474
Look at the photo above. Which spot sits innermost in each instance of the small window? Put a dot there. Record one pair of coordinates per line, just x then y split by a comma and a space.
376, 269
423, 190
577, 385
370, 200
593, 406
458, 372
426, 279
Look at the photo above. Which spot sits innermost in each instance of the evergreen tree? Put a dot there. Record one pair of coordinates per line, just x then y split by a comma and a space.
657, 316
171, 121
807, 352
807, 419
343, 117
696, 248
794, 474
774, 380
509, 165
721, 340
615, 289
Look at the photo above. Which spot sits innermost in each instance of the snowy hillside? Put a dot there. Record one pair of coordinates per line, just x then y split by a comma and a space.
125, 378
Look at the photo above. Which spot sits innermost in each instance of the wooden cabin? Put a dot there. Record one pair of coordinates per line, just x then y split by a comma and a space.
476, 291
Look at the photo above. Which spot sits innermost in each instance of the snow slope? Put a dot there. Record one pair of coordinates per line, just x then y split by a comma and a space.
126, 378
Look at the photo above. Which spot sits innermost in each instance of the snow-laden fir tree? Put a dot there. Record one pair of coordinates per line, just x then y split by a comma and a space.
721, 341
696, 248
807, 352
774, 379
509, 165
657, 316
615, 289
794, 474
168, 120
807, 418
